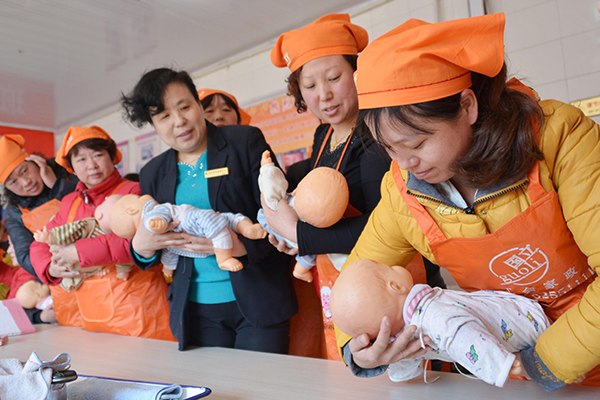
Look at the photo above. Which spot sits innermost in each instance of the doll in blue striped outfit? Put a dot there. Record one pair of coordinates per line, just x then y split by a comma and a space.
127, 211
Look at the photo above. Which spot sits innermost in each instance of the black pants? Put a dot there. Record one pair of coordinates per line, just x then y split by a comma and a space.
223, 325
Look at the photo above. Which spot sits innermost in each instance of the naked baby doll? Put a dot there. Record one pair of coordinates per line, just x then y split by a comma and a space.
82, 229
129, 209
479, 330
320, 199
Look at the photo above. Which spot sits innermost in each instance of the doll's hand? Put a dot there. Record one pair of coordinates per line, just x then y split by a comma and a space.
196, 244
48, 176
204, 245
371, 355
42, 236
146, 243
283, 221
282, 246
157, 225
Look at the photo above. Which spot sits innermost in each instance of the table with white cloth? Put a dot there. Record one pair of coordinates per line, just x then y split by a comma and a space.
238, 374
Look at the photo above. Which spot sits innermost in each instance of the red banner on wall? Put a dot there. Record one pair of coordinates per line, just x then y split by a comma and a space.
40, 141
284, 129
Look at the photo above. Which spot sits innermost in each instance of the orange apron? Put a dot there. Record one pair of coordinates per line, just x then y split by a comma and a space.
36, 219
326, 273
524, 256
104, 303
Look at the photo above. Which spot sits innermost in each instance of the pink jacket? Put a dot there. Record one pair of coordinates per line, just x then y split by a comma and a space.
101, 250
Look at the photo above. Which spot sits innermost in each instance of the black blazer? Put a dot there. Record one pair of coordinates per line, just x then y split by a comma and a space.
263, 288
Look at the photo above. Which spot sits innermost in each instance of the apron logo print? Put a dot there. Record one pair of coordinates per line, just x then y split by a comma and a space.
520, 266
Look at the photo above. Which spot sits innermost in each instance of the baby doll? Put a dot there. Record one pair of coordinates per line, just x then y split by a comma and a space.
82, 229
33, 294
30, 293
479, 330
129, 209
320, 199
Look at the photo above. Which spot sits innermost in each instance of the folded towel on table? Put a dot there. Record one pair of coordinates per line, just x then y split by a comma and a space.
107, 389
32, 380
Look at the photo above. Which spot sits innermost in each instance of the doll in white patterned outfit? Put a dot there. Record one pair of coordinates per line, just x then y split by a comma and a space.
479, 330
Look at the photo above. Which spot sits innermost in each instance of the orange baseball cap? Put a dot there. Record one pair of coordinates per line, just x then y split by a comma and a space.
76, 135
419, 62
11, 154
332, 34
244, 116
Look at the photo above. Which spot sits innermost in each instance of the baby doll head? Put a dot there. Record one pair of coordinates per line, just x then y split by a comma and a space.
126, 214
31, 293
364, 293
102, 212
322, 197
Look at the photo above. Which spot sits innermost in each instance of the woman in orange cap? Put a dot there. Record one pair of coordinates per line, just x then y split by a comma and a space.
34, 187
221, 108
322, 59
487, 181
103, 303
210, 167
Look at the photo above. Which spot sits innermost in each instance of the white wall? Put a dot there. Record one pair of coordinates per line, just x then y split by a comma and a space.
553, 45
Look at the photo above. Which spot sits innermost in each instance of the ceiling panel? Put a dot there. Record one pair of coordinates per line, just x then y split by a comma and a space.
87, 51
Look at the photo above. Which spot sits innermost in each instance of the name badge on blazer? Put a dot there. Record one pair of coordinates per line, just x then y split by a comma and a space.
213, 173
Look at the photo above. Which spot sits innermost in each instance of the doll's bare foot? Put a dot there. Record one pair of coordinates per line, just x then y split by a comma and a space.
266, 158
157, 225
251, 231
231, 265
123, 275
302, 273
517, 368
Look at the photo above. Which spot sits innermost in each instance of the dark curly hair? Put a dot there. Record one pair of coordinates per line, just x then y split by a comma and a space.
148, 94
503, 146
293, 83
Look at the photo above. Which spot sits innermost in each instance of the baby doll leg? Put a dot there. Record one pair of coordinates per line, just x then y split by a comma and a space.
157, 219
302, 269
226, 261
223, 251
242, 225
169, 261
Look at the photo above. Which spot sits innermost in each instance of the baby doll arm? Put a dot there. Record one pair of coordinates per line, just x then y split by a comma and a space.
42, 236
158, 217
271, 181
67, 233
